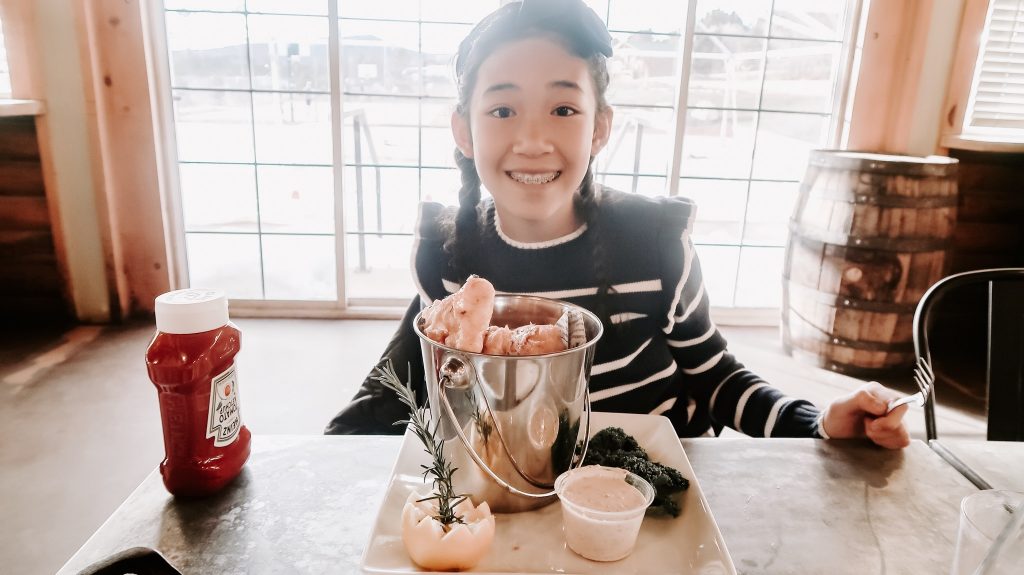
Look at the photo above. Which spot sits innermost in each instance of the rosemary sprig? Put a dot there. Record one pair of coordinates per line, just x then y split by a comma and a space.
440, 469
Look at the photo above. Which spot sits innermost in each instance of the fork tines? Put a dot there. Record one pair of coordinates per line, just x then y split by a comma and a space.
924, 377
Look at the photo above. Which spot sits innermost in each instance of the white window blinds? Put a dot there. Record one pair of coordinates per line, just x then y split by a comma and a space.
996, 106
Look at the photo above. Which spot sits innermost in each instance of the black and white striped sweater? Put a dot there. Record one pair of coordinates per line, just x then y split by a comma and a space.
661, 354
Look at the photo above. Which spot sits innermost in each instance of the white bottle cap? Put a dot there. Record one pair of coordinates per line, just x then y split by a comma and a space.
191, 311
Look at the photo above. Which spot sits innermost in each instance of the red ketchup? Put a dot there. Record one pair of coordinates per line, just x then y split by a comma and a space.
191, 360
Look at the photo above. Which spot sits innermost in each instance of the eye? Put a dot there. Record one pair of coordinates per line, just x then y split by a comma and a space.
564, 111
502, 112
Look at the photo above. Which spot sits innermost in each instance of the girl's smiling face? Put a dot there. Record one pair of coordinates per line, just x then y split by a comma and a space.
532, 126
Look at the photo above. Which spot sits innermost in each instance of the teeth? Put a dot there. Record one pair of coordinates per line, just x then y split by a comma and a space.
533, 178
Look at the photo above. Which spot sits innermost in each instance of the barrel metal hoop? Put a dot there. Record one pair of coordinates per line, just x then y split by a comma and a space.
841, 301
874, 243
850, 161
806, 356
862, 345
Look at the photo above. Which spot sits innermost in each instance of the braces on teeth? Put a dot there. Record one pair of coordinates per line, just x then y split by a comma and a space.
534, 179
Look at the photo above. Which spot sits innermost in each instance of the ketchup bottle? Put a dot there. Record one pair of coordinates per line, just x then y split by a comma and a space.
191, 360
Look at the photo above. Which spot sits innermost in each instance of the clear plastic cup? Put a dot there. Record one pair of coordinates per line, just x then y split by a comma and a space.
602, 519
983, 516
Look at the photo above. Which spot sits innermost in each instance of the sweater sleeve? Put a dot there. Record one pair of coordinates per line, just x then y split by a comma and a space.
374, 409
718, 384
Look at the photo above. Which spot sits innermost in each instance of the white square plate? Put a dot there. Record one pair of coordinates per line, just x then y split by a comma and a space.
532, 541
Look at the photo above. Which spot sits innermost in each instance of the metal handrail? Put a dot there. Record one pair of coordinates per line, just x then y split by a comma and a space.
361, 129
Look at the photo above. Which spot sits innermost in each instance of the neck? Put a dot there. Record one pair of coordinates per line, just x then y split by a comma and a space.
534, 231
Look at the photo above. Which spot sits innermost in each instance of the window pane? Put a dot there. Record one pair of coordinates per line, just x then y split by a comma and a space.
783, 142
439, 43
465, 11
293, 128
289, 53
388, 130
720, 205
718, 143
800, 76
600, 7
209, 5
207, 50
5, 72
297, 199
617, 182
647, 15
641, 142
441, 186
644, 70
718, 264
380, 57
314, 7
218, 198
649, 186
400, 9
813, 19
213, 126
733, 17
386, 273
229, 262
726, 72
437, 146
389, 198
768, 211
760, 277
300, 267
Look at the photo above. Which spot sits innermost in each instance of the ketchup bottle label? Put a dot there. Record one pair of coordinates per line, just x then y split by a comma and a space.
225, 420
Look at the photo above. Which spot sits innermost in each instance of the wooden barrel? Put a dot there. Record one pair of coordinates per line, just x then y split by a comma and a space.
867, 238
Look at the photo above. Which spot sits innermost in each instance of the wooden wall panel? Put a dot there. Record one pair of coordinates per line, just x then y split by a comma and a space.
21, 178
19, 141
989, 232
30, 282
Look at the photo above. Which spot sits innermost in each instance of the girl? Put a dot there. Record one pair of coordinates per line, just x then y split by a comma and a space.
530, 118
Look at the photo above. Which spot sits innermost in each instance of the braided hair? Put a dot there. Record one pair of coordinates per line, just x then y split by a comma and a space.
582, 33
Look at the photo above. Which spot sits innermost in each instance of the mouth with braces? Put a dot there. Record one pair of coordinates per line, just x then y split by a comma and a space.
533, 179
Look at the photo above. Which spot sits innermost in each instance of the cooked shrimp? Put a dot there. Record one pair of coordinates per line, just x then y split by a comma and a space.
529, 339
461, 319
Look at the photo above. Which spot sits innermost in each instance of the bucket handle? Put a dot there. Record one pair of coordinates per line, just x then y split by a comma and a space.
453, 374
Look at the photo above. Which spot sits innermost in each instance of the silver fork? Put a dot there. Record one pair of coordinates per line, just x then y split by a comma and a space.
924, 377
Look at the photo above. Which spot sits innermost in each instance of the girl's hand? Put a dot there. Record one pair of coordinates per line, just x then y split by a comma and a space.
862, 414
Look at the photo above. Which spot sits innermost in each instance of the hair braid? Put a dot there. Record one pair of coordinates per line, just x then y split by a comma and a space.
588, 207
464, 243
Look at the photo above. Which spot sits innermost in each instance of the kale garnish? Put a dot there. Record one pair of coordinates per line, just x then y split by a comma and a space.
613, 447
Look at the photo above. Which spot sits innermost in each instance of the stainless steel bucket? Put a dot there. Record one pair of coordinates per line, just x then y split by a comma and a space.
511, 424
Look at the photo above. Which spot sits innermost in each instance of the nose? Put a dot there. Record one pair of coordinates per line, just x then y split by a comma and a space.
532, 138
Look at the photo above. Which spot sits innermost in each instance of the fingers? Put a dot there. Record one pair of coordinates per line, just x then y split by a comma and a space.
888, 431
873, 398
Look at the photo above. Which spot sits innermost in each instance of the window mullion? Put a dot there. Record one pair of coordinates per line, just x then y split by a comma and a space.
256, 169
337, 141
164, 131
681, 102
841, 89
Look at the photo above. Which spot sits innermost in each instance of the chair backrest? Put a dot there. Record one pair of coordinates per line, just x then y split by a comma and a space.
1005, 348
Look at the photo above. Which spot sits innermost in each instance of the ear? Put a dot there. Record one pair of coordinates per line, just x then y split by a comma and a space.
463, 137
602, 130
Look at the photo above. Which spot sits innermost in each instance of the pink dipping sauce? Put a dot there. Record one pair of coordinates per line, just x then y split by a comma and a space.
602, 509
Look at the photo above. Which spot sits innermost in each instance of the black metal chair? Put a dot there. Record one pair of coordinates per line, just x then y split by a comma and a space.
1005, 347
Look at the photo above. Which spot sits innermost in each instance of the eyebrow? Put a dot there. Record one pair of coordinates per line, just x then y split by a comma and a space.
560, 84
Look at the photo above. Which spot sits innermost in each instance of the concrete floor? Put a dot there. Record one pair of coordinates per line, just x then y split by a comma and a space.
80, 426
